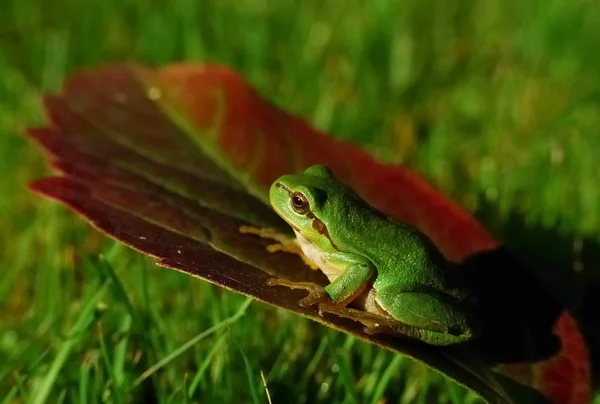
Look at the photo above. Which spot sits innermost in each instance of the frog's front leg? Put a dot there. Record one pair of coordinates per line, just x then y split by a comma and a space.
344, 289
284, 243
355, 274
349, 285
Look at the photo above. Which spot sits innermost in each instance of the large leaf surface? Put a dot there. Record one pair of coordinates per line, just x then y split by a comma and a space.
172, 161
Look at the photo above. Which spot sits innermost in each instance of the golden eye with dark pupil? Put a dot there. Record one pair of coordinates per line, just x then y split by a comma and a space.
299, 203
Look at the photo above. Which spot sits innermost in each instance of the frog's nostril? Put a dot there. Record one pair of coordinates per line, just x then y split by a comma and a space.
280, 185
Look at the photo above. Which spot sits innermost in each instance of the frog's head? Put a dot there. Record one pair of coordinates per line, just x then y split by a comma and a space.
300, 199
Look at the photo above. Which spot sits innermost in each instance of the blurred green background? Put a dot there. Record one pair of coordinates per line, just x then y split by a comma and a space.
498, 103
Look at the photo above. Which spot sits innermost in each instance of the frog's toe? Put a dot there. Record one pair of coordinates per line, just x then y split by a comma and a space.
316, 293
315, 297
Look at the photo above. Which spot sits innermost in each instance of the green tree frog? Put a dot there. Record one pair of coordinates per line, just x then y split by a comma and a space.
391, 274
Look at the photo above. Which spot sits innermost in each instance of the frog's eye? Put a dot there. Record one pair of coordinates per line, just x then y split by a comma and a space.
299, 203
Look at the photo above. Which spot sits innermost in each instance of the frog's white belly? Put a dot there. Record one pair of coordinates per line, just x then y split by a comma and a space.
318, 257
366, 301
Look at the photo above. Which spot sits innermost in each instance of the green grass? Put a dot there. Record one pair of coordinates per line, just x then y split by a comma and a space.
497, 102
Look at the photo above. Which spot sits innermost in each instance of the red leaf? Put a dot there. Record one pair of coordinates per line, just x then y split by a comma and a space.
162, 159
196, 94
255, 138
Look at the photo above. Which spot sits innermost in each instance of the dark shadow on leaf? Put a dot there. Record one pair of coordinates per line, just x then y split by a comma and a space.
517, 311
552, 257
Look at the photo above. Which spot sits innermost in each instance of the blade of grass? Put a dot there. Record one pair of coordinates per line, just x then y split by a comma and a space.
62, 396
85, 319
249, 372
314, 362
262, 376
204, 366
10, 396
241, 311
346, 374
84, 382
120, 351
117, 393
116, 285
384, 379
118, 290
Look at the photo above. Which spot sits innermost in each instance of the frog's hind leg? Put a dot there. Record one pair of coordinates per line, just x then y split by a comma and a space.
374, 323
442, 320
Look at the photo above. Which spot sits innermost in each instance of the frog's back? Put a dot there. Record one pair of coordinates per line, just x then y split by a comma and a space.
397, 250
409, 254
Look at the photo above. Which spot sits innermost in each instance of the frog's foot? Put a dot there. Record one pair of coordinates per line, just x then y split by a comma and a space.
284, 243
293, 248
316, 293
270, 234
374, 323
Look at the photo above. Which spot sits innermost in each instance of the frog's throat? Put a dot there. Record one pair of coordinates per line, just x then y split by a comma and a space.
317, 224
